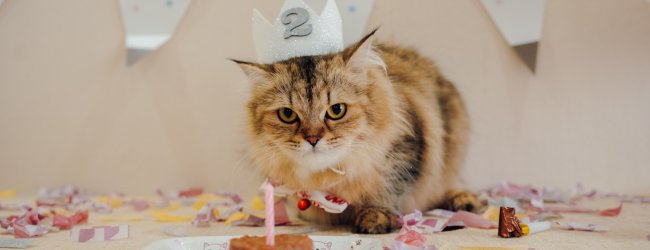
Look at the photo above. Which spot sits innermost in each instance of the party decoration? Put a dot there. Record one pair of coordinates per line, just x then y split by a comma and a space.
101, 233
8, 193
149, 24
520, 22
329, 203
354, 14
297, 31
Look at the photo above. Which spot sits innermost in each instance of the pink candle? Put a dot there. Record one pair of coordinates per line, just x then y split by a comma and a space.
269, 220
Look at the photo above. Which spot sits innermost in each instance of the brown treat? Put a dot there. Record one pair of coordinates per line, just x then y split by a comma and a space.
509, 223
282, 242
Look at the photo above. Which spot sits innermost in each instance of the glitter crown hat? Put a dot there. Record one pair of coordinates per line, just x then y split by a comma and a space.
297, 31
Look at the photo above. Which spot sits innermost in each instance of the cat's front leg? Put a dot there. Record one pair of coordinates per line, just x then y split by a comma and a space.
374, 220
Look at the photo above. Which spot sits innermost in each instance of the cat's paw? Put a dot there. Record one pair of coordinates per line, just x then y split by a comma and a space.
374, 220
463, 200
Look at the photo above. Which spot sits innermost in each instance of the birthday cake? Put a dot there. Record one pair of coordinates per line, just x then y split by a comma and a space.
282, 242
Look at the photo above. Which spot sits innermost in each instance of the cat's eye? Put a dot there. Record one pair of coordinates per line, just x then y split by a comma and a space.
336, 111
287, 115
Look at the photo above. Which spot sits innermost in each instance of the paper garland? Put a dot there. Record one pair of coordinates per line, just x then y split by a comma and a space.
520, 22
149, 24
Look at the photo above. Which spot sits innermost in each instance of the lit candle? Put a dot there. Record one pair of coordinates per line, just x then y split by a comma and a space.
269, 220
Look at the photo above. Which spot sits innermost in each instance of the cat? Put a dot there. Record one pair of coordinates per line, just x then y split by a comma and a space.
375, 124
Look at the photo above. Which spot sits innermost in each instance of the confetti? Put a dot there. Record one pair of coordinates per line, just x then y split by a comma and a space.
205, 216
8, 193
612, 211
139, 205
471, 220
257, 203
191, 192
14, 243
410, 240
235, 217
415, 222
28, 231
63, 222
167, 217
440, 213
101, 233
583, 227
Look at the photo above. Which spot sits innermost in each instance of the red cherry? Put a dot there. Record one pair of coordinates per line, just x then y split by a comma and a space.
303, 204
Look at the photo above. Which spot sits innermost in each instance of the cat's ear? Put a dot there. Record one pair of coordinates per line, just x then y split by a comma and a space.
361, 55
257, 73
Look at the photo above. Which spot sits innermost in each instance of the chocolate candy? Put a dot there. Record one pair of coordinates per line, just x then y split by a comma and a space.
509, 223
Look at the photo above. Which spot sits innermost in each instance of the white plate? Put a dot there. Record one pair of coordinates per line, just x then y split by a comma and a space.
222, 242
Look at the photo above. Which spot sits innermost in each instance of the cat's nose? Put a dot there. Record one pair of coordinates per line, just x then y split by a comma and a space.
313, 139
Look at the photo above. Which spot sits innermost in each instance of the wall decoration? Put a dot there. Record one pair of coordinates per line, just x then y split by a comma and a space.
520, 22
354, 14
149, 24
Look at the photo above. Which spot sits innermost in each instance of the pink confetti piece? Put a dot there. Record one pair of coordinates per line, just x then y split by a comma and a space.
139, 205
472, 220
410, 240
100, 233
191, 192
281, 217
582, 227
415, 222
269, 213
440, 213
28, 231
612, 211
251, 221
204, 216
63, 222
648, 237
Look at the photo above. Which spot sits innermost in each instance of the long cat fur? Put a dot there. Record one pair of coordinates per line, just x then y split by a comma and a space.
400, 144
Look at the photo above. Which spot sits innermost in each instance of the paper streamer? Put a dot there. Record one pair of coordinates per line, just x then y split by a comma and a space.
14, 243
149, 24
101, 233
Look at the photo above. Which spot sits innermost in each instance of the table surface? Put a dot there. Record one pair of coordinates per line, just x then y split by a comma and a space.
629, 230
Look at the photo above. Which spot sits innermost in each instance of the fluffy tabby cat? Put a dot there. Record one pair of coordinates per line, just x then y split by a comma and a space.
375, 125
